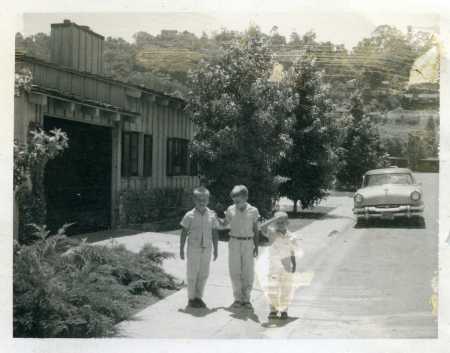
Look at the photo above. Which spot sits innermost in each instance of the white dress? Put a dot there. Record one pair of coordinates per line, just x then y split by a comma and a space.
274, 269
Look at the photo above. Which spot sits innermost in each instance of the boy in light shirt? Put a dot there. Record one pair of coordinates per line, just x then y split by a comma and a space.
200, 229
282, 264
242, 219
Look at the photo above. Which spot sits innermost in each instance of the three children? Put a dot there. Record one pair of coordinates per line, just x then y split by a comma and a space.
200, 228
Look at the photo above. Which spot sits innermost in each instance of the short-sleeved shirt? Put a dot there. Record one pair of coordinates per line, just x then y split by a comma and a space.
241, 222
282, 245
199, 226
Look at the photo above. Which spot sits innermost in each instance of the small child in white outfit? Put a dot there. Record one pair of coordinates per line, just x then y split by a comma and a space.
282, 263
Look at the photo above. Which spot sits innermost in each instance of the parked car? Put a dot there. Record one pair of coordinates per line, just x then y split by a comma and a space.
388, 194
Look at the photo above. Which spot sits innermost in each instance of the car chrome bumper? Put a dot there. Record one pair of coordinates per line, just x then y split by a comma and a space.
394, 212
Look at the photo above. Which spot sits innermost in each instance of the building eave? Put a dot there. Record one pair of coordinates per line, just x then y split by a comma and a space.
21, 57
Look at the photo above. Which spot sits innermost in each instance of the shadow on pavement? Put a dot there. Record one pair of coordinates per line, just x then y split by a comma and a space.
278, 322
198, 312
242, 314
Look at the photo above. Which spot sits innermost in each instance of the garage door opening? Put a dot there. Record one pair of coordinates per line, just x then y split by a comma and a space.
78, 183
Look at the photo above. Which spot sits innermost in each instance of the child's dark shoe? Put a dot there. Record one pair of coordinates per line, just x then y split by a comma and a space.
236, 304
273, 315
192, 303
284, 315
247, 305
200, 303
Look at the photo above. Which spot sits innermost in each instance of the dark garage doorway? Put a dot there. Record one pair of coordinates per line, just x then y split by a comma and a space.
78, 183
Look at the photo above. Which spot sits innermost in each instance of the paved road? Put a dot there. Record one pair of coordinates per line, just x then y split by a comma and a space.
373, 282
356, 283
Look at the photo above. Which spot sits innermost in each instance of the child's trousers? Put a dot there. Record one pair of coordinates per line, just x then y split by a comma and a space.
198, 260
279, 290
241, 264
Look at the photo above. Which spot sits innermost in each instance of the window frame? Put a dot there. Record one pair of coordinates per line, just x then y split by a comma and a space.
130, 155
148, 156
177, 145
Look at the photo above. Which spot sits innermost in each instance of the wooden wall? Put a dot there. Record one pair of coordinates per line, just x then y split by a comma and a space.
153, 114
76, 47
162, 122
81, 86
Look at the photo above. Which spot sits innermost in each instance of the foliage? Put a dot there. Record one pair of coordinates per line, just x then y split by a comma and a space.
83, 291
382, 61
416, 149
37, 45
361, 148
431, 139
387, 56
30, 160
243, 119
309, 165
395, 147
22, 82
152, 205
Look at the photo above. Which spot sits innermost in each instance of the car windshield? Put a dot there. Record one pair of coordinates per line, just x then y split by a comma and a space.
390, 178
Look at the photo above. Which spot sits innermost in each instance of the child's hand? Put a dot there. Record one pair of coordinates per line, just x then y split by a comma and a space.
255, 252
182, 254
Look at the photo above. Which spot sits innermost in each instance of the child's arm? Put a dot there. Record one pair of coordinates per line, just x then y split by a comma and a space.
265, 225
215, 234
255, 238
225, 221
184, 234
293, 262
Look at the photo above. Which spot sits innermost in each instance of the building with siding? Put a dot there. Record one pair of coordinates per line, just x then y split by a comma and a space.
122, 136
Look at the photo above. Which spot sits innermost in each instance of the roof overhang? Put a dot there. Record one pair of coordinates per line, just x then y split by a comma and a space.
40, 95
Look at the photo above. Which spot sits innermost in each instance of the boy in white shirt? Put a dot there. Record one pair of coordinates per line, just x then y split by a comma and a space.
282, 263
242, 219
200, 229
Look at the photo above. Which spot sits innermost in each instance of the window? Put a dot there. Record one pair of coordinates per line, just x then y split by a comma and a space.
391, 178
130, 154
193, 166
148, 155
177, 156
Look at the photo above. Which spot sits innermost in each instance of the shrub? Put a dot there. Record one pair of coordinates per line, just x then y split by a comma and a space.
82, 291
30, 160
153, 205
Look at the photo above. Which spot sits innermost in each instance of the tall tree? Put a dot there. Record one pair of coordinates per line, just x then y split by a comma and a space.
361, 148
430, 138
309, 164
243, 119
416, 149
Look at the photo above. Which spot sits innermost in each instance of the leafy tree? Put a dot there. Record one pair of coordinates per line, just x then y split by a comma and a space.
395, 147
277, 41
119, 58
37, 45
416, 149
361, 149
430, 138
309, 164
143, 39
385, 56
294, 40
243, 119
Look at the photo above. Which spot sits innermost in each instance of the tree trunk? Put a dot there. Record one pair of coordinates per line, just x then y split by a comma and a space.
295, 210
